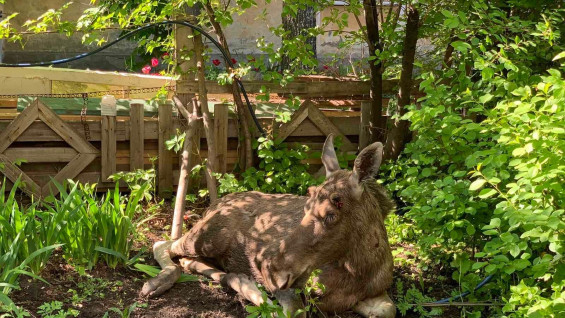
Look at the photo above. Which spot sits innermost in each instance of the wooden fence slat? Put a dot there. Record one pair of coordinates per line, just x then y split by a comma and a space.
14, 173
298, 88
221, 126
295, 121
18, 126
137, 137
43, 154
108, 146
165, 161
364, 131
81, 161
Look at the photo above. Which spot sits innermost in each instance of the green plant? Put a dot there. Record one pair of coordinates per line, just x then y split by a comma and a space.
138, 180
280, 170
126, 312
55, 309
413, 300
483, 178
98, 228
267, 309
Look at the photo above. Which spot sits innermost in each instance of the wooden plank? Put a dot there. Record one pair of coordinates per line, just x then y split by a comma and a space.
298, 88
65, 131
165, 161
18, 126
14, 173
221, 126
365, 132
81, 161
85, 76
9, 103
108, 146
136, 137
35, 154
295, 121
327, 127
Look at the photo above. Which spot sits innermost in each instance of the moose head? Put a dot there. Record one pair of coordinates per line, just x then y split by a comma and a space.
338, 213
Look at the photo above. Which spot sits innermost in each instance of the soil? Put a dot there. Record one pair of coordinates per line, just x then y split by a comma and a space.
104, 288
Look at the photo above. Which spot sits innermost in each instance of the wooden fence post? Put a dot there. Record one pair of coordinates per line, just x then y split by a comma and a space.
136, 142
108, 138
221, 125
165, 161
364, 130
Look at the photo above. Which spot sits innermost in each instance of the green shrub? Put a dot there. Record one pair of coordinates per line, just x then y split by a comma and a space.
483, 179
280, 170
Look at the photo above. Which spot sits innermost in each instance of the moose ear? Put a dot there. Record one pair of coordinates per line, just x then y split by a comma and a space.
329, 158
368, 162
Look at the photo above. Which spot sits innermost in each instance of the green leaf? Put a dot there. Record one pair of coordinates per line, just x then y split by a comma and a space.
485, 98
477, 184
487, 193
559, 56
461, 46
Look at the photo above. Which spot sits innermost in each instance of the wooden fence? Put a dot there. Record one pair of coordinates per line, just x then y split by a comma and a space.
48, 140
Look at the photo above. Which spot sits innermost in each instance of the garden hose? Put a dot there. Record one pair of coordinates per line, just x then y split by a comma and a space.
450, 299
145, 27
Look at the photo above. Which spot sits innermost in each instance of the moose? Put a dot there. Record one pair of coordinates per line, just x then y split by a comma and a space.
277, 240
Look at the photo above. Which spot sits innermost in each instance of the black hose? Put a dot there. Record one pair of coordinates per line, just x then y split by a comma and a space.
450, 299
142, 28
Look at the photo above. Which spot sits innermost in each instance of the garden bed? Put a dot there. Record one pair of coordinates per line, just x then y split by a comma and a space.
104, 289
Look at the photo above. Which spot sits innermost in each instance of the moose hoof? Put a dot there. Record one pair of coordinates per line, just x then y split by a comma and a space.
161, 283
377, 307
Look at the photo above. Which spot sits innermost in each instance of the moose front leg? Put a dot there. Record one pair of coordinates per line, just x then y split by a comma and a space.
163, 252
243, 285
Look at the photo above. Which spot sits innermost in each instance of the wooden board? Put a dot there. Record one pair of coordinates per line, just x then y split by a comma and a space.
297, 88
165, 172
46, 154
221, 126
108, 146
136, 137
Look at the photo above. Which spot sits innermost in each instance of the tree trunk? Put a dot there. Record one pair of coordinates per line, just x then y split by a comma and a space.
241, 110
295, 24
377, 123
400, 130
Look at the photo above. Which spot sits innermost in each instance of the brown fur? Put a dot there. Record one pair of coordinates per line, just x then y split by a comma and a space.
279, 239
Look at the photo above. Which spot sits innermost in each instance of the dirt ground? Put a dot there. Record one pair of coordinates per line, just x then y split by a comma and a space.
104, 288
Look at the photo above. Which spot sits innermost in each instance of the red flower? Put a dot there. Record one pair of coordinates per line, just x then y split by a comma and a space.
165, 55
185, 217
233, 60
326, 67
216, 62
154, 62
146, 69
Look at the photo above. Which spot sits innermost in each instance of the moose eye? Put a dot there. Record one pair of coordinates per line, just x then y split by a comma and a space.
336, 201
330, 217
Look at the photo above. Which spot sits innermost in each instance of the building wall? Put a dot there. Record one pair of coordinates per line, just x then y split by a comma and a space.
242, 36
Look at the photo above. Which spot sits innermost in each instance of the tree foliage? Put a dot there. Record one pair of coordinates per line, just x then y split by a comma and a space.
483, 180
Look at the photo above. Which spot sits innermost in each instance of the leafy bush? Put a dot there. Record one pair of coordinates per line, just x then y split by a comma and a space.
483, 179
280, 170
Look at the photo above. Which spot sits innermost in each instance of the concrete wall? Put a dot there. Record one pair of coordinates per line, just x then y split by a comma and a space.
242, 35
45, 47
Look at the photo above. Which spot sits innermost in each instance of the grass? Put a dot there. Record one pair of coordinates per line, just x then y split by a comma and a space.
88, 228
